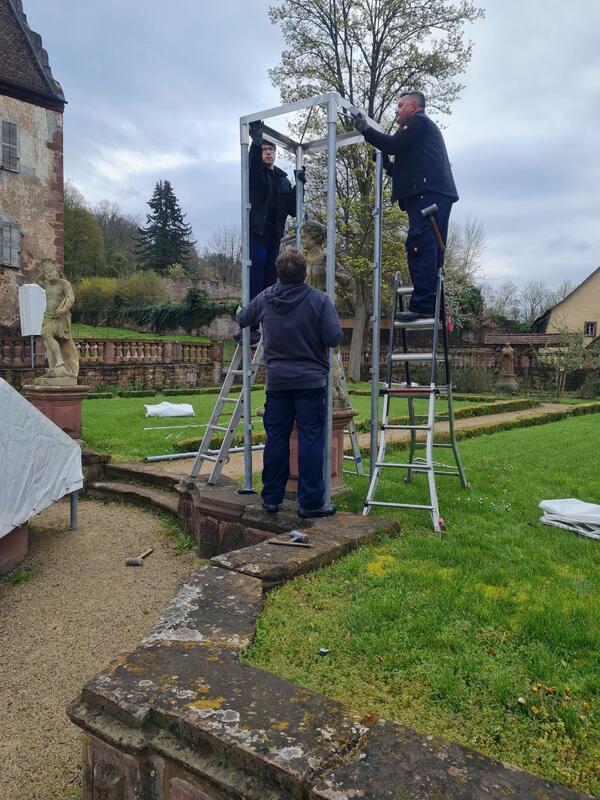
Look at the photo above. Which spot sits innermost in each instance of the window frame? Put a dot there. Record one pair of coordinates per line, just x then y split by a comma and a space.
593, 325
17, 146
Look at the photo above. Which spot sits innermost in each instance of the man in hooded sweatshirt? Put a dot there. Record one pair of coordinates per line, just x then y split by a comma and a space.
299, 324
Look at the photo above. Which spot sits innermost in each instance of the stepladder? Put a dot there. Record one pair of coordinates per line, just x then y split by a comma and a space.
421, 427
229, 409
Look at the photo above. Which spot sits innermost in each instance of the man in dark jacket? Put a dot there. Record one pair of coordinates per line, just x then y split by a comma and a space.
300, 324
421, 176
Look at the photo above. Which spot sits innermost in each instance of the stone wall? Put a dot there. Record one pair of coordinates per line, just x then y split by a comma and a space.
32, 198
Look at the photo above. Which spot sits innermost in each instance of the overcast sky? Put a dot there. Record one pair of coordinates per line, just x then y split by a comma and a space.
155, 90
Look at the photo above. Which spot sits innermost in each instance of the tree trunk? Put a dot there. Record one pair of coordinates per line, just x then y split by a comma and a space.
358, 334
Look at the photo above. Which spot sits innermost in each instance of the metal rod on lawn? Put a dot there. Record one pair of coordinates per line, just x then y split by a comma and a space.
245, 231
299, 197
330, 278
376, 318
179, 456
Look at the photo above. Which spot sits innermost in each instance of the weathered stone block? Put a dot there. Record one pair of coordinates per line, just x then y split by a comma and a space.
182, 790
396, 763
212, 604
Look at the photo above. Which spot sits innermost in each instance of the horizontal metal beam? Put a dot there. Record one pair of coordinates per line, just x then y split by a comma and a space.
287, 108
341, 140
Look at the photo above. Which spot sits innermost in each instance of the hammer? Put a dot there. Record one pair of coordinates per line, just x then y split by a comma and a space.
137, 562
428, 213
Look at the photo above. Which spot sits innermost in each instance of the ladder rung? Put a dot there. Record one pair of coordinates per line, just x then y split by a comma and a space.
236, 371
237, 399
404, 290
405, 428
219, 428
420, 467
408, 392
207, 457
449, 472
417, 324
415, 356
423, 445
398, 505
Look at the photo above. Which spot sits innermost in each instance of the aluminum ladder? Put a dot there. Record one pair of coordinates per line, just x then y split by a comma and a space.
226, 421
417, 423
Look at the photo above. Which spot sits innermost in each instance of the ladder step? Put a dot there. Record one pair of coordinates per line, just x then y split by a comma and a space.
423, 445
219, 428
398, 505
404, 290
405, 428
415, 357
236, 371
418, 324
409, 391
237, 399
420, 467
207, 457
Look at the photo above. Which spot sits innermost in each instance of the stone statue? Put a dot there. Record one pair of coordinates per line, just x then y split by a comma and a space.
507, 379
314, 237
61, 352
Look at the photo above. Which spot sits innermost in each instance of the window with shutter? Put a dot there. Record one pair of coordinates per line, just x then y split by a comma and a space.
10, 146
10, 245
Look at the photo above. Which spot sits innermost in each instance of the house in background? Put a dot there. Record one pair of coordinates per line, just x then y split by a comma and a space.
579, 311
31, 159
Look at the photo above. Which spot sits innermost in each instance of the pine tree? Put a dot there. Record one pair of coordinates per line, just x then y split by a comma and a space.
166, 238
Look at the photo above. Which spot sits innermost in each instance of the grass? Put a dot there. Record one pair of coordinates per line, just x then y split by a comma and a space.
81, 331
488, 635
115, 425
19, 575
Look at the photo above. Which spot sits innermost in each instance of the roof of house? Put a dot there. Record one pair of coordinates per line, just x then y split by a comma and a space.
541, 322
24, 68
522, 338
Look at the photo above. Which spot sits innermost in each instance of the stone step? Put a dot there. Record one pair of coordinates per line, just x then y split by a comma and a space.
141, 473
131, 493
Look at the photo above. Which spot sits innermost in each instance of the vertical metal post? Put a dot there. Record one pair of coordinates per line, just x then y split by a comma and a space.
246, 360
32, 349
330, 277
299, 197
376, 317
74, 522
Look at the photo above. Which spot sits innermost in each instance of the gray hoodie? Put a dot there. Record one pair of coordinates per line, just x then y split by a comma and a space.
299, 325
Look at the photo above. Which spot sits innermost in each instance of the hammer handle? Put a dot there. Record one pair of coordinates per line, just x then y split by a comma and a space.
438, 235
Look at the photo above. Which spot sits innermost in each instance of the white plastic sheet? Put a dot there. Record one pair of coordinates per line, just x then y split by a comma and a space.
39, 463
32, 304
169, 410
572, 514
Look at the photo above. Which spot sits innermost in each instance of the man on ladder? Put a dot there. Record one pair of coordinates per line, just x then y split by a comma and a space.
421, 177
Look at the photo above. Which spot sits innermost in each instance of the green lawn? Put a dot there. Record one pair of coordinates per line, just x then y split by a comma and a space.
115, 425
488, 635
81, 331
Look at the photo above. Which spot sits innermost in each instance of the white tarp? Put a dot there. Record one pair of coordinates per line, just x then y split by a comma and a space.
39, 463
572, 514
169, 410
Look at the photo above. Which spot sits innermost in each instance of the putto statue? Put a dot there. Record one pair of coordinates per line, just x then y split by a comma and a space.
61, 352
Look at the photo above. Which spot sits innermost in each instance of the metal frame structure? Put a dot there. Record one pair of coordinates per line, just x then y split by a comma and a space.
335, 104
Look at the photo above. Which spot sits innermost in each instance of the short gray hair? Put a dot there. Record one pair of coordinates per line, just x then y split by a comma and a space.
419, 97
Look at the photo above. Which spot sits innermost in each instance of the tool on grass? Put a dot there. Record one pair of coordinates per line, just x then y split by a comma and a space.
297, 539
139, 560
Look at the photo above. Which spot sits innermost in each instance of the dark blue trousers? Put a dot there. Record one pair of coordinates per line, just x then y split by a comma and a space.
424, 256
305, 407
263, 254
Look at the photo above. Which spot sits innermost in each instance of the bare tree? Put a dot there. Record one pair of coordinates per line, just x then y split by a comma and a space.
368, 51
73, 197
504, 300
558, 294
533, 300
222, 254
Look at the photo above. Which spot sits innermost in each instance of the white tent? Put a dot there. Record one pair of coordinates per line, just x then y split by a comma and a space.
39, 463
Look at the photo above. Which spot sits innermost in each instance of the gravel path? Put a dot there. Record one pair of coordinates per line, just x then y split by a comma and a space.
80, 607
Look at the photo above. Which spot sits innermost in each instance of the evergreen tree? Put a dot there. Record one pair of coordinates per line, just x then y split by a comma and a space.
166, 238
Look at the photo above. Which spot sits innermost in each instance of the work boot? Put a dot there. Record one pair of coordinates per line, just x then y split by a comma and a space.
411, 316
254, 337
270, 508
325, 511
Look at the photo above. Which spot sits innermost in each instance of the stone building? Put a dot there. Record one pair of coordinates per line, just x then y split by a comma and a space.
579, 311
31, 159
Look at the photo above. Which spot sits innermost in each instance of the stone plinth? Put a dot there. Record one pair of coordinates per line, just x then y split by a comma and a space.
341, 418
61, 404
13, 548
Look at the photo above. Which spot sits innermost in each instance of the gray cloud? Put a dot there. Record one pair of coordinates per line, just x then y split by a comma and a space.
156, 91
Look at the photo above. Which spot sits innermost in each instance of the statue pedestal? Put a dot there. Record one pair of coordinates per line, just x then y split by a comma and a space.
61, 404
341, 417
507, 383
13, 548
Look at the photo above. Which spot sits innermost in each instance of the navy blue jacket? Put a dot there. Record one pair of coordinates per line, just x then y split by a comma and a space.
299, 325
261, 184
421, 162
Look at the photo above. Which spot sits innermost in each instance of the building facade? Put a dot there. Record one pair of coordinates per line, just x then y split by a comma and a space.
578, 312
31, 160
